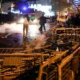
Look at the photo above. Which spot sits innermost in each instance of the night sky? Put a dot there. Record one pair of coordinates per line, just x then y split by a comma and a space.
16, 0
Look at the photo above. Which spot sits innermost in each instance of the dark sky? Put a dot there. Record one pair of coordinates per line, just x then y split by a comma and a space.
16, 0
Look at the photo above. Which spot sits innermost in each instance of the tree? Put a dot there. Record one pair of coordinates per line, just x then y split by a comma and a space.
59, 5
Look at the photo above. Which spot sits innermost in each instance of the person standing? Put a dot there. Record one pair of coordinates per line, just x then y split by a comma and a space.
25, 28
42, 23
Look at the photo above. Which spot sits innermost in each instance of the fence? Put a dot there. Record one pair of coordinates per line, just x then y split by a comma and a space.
57, 67
54, 33
10, 50
72, 33
65, 69
61, 68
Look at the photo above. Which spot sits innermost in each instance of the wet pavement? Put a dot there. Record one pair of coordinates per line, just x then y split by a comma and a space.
14, 32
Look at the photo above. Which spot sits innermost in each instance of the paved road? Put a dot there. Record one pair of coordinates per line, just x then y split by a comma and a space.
15, 31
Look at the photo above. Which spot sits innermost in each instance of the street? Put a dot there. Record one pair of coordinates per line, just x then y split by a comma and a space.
14, 31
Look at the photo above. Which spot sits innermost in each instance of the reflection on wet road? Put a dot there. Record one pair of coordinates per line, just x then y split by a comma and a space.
15, 31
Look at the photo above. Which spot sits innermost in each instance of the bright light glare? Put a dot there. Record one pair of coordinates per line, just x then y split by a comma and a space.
47, 9
35, 21
15, 11
33, 30
40, 41
11, 28
21, 20
24, 8
41, 7
18, 28
48, 13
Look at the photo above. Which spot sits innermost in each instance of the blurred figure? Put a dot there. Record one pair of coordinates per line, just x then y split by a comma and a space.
42, 23
25, 28
73, 20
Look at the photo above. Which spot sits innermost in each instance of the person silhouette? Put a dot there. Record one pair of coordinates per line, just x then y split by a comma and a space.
25, 29
42, 23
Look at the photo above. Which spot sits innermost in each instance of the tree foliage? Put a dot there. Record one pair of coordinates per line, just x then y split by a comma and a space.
59, 5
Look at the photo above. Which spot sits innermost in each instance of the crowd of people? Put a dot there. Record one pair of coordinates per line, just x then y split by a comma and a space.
73, 20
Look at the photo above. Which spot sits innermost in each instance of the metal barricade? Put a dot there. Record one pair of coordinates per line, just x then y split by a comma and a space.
64, 69
48, 72
48, 69
69, 66
76, 60
31, 57
28, 60
10, 50
77, 36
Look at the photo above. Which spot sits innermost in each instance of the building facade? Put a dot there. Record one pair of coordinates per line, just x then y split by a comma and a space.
76, 2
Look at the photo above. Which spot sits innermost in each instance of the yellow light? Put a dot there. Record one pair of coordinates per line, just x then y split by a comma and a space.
12, 5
